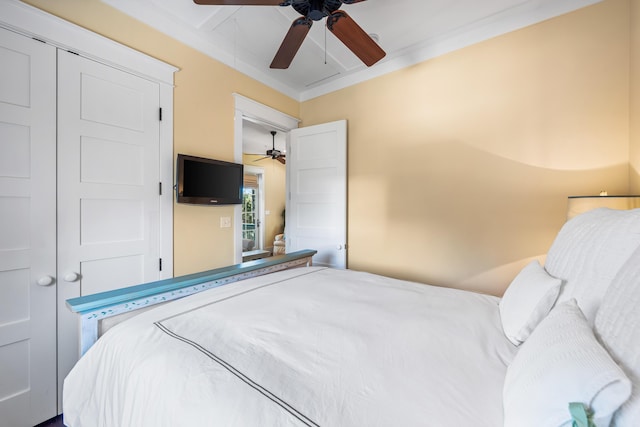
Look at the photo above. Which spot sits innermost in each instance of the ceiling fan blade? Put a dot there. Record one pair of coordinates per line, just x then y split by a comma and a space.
351, 1
291, 43
262, 158
239, 2
354, 37
281, 159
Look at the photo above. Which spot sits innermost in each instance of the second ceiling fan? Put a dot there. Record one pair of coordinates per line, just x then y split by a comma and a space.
273, 153
338, 22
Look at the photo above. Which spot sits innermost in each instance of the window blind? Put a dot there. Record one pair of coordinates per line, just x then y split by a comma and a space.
250, 181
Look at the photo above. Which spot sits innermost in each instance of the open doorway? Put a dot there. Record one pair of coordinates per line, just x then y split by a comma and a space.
264, 159
254, 123
318, 221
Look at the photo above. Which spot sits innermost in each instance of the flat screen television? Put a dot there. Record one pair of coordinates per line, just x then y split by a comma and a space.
203, 181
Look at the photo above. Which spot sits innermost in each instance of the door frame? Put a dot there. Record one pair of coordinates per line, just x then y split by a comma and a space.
246, 108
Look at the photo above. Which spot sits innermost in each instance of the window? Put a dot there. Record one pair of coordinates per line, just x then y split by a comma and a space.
250, 213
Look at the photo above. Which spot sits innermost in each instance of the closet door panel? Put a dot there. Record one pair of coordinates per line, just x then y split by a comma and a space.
27, 230
108, 175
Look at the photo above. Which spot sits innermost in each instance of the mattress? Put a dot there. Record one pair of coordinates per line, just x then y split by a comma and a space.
304, 347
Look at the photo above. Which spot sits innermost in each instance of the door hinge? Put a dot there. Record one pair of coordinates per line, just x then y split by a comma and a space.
160, 188
160, 114
160, 264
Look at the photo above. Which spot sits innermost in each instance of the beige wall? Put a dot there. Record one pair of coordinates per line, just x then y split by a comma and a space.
634, 149
274, 183
459, 167
203, 119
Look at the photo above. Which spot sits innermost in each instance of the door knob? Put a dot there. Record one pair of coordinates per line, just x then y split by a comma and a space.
45, 281
71, 277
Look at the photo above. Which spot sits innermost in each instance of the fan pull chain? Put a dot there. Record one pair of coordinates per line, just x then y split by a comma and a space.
325, 45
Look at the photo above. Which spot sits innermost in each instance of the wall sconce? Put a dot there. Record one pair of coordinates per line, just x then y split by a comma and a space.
580, 204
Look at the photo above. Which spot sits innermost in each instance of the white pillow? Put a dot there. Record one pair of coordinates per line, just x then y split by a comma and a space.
560, 363
588, 252
527, 300
618, 327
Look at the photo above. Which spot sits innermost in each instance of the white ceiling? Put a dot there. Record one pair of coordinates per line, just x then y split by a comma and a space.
410, 31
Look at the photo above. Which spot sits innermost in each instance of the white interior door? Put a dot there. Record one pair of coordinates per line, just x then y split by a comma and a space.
317, 192
108, 179
27, 231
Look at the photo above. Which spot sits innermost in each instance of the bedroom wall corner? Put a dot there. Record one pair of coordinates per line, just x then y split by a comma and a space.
203, 118
460, 166
634, 145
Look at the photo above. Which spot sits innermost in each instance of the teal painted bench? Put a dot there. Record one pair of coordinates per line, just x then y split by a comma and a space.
96, 307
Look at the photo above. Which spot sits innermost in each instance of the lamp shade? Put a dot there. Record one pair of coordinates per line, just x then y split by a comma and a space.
580, 204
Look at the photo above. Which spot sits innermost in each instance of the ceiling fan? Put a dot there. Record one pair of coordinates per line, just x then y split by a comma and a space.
273, 153
338, 22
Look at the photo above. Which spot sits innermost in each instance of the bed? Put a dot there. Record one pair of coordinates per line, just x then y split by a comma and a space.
314, 346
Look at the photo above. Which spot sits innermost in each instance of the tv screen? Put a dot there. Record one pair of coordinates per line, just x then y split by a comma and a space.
208, 182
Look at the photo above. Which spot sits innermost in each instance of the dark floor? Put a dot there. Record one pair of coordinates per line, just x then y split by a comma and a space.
53, 422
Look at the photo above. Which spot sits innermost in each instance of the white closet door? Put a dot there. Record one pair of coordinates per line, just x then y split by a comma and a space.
108, 177
27, 230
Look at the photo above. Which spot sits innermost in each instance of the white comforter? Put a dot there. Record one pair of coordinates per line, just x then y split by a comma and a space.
303, 347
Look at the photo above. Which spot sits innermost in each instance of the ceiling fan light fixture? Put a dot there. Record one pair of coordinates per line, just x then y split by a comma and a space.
316, 11
273, 153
